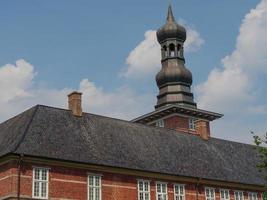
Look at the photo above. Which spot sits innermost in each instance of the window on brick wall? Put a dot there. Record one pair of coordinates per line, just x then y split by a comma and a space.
210, 193
160, 123
94, 187
192, 124
252, 196
239, 195
224, 194
143, 190
162, 191
40, 183
179, 192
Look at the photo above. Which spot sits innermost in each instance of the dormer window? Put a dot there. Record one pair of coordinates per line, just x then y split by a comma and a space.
192, 124
160, 123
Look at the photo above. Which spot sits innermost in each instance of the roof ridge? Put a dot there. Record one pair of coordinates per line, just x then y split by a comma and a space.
122, 120
222, 139
26, 130
136, 123
97, 115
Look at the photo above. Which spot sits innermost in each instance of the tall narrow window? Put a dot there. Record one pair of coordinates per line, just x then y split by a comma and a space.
179, 192
224, 194
162, 191
252, 196
160, 123
239, 195
40, 183
210, 193
94, 187
179, 50
172, 50
165, 52
192, 125
143, 190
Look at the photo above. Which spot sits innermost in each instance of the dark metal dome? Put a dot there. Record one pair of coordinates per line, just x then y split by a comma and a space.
171, 29
173, 72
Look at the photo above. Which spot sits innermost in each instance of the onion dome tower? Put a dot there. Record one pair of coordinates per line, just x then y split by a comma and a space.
175, 107
174, 79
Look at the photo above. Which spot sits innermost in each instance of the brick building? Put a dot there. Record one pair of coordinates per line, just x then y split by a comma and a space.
168, 154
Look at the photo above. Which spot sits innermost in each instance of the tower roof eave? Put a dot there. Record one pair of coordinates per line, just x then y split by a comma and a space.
171, 109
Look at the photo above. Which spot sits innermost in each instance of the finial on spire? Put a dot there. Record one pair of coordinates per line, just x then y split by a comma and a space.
170, 17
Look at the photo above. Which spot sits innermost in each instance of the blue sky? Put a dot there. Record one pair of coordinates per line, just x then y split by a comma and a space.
64, 45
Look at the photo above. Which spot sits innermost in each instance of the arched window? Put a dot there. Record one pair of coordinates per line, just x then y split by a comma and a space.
179, 47
165, 52
172, 50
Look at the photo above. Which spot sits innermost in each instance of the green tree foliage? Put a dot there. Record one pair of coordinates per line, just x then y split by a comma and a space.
261, 143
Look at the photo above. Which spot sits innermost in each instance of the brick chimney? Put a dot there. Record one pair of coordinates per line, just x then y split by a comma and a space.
75, 103
203, 129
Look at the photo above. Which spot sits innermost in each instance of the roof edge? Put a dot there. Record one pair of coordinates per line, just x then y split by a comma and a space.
174, 109
127, 171
26, 129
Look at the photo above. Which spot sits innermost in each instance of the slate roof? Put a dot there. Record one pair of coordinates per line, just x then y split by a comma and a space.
55, 133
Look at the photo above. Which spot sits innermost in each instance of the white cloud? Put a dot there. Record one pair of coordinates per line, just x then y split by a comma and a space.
233, 86
144, 59
15, 80
121, 103
233, 89
193, 39
19, 92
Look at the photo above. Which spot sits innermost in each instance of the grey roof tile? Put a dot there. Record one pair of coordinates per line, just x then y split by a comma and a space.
55, 133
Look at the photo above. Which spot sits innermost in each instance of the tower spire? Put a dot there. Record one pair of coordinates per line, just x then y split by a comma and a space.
170, 17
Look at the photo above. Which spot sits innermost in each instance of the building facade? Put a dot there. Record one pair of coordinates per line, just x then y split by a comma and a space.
168, 154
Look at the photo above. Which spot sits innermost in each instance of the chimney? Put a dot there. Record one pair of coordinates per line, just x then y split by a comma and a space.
75, 103
203, 129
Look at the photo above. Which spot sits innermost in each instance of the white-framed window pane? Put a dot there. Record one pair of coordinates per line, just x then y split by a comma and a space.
94, 187
252, 196
239, 195
179, 192
160, 123
192, 125
162, 191
224, 194
143, 190
40, 183
210, 193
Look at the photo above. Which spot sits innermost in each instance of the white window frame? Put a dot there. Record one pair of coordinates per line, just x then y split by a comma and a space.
94, 186
208, 195
143, 192
34, 180
225, 191
238, 192
192, 123
160, 123
181, 196
161, 193
250, 194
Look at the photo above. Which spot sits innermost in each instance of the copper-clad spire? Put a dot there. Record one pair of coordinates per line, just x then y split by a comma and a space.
170, 17
171, 29
174, 79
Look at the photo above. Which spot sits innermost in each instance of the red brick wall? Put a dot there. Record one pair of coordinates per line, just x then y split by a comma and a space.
71, 183
178, 123
181, 124
8, 179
